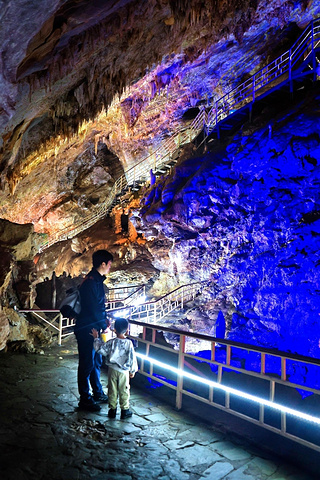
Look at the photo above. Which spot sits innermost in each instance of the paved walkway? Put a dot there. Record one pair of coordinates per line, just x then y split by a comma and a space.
43, 436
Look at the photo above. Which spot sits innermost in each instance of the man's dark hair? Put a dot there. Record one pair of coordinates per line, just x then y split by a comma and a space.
101, 256
121, 325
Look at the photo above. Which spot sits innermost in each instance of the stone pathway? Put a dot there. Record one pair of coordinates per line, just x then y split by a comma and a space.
43, 436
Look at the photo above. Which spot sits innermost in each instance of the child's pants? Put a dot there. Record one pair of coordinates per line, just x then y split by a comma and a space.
118, 384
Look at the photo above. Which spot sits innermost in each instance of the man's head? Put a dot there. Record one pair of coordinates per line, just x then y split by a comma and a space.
121, 325
101, 260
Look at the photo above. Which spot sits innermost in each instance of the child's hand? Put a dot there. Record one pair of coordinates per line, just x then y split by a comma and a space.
94, 333
131, 375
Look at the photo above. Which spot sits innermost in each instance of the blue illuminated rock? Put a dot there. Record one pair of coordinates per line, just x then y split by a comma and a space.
253, 207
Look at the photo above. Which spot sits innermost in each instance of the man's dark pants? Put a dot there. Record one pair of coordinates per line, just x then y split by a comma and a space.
89, 366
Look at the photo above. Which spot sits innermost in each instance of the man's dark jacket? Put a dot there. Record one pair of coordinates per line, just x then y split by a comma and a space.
93, 310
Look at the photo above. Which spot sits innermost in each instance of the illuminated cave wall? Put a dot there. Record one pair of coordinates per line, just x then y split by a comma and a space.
246, 216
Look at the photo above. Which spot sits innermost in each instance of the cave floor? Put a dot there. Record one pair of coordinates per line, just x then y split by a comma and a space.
44, 436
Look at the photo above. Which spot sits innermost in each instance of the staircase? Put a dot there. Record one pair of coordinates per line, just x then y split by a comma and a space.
291, 67
154, 311
134, 307
299, 62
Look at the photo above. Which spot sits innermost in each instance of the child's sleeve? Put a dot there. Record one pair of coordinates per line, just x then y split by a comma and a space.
101, 347
133, 358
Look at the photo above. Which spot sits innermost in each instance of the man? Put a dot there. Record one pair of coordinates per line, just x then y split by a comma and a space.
92, 315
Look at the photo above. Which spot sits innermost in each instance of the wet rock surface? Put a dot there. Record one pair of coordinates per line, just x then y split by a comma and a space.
245, 217
43, 435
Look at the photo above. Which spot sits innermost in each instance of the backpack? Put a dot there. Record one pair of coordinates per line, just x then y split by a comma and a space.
70, 307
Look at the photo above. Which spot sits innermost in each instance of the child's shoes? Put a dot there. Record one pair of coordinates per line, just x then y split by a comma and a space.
125, 414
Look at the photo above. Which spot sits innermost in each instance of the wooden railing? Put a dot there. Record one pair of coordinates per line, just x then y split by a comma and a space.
264, 394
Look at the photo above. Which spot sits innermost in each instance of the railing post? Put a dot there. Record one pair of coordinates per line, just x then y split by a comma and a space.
228, 356
60, 329
314, 63
253, 88
283, 369
217, 126
272, 390
144, 336
290, 73
263, 364
283, 422
180, 367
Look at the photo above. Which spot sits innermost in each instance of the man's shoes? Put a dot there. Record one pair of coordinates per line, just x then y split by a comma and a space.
101, 398
112, 413
125, 414
90, 405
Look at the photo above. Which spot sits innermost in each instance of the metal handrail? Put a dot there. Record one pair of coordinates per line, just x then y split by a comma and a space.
116, 292
245, 93
116, 295
248, 91
154, 310
178, 363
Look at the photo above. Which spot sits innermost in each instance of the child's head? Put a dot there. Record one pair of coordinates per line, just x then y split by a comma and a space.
121, 325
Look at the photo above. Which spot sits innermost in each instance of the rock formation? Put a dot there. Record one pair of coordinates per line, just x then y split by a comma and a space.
89, 89
245, 216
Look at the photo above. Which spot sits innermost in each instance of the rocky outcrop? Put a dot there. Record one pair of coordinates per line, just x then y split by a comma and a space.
17, 249
243, 217
68, 124
246, 218
19, 239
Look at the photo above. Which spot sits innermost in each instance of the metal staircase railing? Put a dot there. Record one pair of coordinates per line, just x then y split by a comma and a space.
135, 175
154, 311
125, 295
134, 307
285, 68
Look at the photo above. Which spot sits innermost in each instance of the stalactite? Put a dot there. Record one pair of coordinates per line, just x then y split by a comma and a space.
106, 81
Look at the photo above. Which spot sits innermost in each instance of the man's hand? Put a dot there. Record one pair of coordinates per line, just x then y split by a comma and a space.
94, 333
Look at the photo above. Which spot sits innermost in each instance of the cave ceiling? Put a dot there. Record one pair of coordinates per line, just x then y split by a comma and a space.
90, 88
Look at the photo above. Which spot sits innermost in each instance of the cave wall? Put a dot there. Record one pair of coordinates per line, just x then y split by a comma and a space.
246, 217
92, 85
18, 245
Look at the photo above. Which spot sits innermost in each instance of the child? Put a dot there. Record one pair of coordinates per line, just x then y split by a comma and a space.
122, 362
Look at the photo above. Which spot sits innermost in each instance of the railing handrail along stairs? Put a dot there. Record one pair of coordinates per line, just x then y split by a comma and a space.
242, 95
134, 305
123, 295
